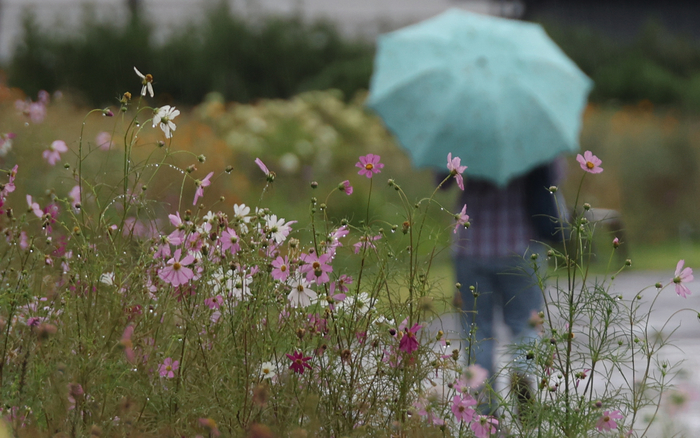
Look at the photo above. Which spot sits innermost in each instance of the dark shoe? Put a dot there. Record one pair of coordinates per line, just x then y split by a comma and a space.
521, 387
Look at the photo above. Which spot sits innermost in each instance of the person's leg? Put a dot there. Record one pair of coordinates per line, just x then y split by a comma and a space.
522, 298
477, 312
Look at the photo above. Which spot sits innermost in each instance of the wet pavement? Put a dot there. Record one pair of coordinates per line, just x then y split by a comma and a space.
671, 312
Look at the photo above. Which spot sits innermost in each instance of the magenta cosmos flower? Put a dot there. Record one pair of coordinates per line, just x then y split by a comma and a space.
607, 421
589, 162
682, 276
168, 368
176, 273
369, 165
408, 342
453, 165
53, 153
299, 362
462, 407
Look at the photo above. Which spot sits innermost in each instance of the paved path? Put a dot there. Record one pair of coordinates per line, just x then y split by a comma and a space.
685, 348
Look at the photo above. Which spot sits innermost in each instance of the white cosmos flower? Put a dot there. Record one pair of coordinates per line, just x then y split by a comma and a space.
165, 116
360, 304
268, 370
146, 82
107, 278
231, 283
278, 229
301, 295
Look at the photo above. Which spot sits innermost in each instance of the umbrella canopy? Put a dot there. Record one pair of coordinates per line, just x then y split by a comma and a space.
498, 93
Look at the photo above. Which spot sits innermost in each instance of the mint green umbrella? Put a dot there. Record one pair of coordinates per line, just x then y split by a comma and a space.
498, 93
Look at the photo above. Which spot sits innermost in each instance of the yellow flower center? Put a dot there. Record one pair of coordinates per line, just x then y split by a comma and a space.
168, 368
283, 268
149, 78
369, 166
590, 165
177, 266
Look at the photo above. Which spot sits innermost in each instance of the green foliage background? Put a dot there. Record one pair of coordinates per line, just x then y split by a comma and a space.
278, 58
282, 56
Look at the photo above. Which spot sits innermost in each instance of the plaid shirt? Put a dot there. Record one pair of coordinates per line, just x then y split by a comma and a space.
500, 226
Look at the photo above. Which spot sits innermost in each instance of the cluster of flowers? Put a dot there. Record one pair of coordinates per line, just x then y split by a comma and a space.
229, 262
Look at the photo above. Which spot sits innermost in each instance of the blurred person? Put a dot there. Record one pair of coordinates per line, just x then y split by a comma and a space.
495, 267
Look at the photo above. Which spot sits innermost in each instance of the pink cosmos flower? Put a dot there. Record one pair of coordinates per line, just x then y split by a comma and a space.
177, 236
168, 367
280, 269
74, 195
176, 273
589, 162
581, 375
270, 175
23, 240
333, 240
682, 276
366, 242
369, 165
345, 187
461, 218
299, 362
10, 186
50, 215
34, 207
104, 141
462, 407
229, 241
408, 342
214, 302
453, 165
126, 343
485, 427
37, 112
607, 421
473, 377
262, 166
200, 187
316, 268
53, 153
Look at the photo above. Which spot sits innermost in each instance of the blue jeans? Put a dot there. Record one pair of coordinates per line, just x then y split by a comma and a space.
504, 284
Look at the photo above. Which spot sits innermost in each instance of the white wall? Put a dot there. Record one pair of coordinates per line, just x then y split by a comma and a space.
354, 17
